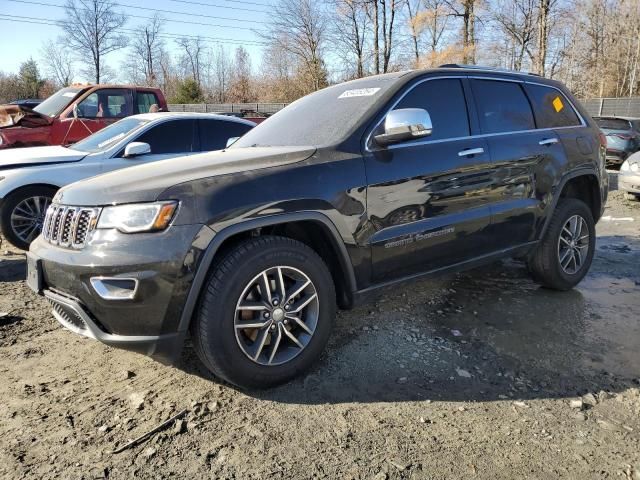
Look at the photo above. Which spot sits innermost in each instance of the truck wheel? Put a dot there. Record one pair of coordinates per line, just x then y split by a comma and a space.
564, 255
266, 312
23, 214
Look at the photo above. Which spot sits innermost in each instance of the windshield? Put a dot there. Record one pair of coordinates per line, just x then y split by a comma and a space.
321, 118
109, 136
613, 123
53, 105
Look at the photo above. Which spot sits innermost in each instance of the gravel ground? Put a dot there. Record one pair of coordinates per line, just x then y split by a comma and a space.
478, 375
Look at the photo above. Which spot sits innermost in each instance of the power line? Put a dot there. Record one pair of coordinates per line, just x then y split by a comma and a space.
190, 13
192, 2
231, 19
168, 35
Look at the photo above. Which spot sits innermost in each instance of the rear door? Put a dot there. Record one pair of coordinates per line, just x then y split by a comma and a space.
526, 160
428, 200
214, 134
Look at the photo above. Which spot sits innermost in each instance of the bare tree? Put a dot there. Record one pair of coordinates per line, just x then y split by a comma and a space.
193, 53
91, 28
301, 28
544, 11
518, 20
146, 49
221, 66
241, 89
465, 9
383, 16
432, 21
58, 62
350, 31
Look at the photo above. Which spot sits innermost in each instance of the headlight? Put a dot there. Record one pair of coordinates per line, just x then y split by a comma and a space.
138, 217
635, 167
625, 166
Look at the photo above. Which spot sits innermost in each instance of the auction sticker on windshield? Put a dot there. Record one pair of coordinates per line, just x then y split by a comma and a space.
359, 92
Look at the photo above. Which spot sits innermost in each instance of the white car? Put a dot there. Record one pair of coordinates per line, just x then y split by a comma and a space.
30, 177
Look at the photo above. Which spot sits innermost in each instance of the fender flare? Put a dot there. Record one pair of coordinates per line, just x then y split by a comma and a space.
584, 171
272, 220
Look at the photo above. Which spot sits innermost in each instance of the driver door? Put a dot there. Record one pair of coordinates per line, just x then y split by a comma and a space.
174, 138
428, 199
96, 111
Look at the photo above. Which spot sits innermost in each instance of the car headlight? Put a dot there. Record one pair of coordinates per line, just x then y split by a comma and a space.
138, 217
635, 167
625, 166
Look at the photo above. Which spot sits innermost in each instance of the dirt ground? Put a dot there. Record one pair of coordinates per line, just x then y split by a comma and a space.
479, 375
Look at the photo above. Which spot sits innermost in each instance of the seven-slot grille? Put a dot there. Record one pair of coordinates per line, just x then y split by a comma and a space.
69, 226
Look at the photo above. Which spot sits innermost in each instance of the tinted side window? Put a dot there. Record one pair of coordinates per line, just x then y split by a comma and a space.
551, 107
215, 133
175, 136
445, 102
106, 103
145, 100
502, 106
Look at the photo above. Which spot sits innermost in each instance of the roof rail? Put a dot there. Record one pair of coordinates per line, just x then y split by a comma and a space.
480, 67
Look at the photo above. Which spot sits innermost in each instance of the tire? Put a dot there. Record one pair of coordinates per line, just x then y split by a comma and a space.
226, 350
17, 231
545, 264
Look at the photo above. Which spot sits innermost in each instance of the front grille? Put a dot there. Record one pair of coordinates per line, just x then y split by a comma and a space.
69, 226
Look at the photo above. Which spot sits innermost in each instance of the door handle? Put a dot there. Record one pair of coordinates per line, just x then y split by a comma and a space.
470, 151
548, 141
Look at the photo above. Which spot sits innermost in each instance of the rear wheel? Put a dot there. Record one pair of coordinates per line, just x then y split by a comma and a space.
265, 314
23, 213
564, 255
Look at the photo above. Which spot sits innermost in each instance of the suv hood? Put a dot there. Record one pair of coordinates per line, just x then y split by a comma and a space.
144, 183
17, 115
34, 156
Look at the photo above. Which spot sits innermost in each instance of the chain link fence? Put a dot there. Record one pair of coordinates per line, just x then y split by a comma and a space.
620, 107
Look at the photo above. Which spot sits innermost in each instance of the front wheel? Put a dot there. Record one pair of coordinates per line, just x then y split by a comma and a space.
23, 213
265, 314
564, 255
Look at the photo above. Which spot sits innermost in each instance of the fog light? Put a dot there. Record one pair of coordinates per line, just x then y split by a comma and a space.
115, 288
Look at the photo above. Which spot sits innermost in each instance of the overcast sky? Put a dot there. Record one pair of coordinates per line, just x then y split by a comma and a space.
232, 22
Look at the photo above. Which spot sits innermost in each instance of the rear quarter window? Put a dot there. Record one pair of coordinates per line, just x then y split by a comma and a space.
551, 107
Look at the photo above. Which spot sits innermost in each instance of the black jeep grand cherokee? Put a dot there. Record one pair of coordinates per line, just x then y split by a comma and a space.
355, 187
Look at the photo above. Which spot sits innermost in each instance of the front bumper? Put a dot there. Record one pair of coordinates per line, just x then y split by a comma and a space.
629, 182
163, 265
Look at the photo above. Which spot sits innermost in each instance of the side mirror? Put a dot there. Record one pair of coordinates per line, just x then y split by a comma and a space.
135, 149
75, 111
231, 141
405, 124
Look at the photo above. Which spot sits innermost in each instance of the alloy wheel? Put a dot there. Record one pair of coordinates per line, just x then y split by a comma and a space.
27, 217
276, 315
573, 244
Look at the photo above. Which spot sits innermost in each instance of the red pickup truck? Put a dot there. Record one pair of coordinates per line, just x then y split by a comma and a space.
73, 113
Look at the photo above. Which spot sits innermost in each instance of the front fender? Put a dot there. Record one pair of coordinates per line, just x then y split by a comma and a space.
270, 221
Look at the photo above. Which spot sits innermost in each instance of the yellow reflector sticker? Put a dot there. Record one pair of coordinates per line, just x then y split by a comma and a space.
557, 104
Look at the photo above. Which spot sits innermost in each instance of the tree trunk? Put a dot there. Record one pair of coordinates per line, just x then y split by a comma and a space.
376, 38
543, 36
